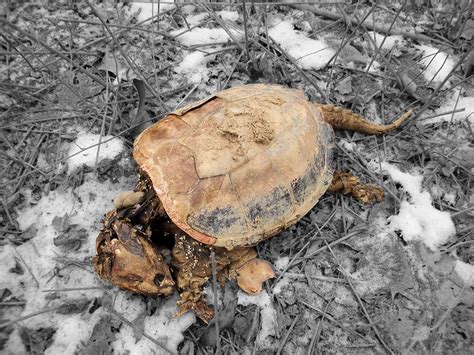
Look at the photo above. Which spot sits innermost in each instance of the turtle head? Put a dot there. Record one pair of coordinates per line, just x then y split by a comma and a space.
127, 258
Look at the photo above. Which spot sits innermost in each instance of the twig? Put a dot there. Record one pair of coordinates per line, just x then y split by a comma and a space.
361, 304
302, 249
216, 305
31, 315
223, 25
297, 67
130, 324
368, 26
438, 88
333, 320
185, 97
26, 266
317, 333
125, 56
59, 54
245, 30
442, 319
77, 289
117, 34
340, 240
287, 335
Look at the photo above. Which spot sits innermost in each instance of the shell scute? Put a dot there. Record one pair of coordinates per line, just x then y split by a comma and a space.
253, 160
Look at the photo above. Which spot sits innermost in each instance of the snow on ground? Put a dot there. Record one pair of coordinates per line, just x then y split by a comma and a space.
417, 219
194, 66
281, 263
196, 19
203, 35
84, 208
437, 64
194, 63
386, 42
455, 102
281, 284
163, 326
465, 272
268, 315
146, 10
77, 214
84, 149
228, 15
308, 53
349, 146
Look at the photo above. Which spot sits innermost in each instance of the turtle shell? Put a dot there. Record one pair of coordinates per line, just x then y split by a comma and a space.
241, 165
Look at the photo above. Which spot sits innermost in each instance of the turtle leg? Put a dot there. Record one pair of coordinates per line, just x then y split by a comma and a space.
347, 183
341, 118
191, 261
192, 267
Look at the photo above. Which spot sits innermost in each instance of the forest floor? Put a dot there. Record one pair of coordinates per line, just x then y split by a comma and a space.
79, 81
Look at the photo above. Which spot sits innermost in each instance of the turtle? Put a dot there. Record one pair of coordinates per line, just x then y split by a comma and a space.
217, 177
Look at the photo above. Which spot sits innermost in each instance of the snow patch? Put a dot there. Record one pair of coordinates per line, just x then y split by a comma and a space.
466, 103
437, 64
194, 66
282, 263
83, 150
57, 267
282, 283
387, 42
417, 218
163, 326
228, 15
268, 315
85, 208
195, 20
309, 53
148, 10
465, 271
349, 146
198, 36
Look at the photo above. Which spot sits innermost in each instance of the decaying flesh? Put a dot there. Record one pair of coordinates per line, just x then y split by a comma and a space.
129, 255
127, 258
201, 183
134, 234
349, 184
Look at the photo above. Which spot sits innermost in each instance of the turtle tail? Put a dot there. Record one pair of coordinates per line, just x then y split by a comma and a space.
341, 118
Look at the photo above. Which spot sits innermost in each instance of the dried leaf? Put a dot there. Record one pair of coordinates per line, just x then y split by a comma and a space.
76, 306
468, 30
469, 67
103, 334
71, 240
141, 119
408, 84
345, 86
61, 224
110, 63
36, 341
225, 316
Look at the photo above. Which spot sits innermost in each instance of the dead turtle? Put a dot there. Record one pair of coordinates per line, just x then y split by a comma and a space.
217, 177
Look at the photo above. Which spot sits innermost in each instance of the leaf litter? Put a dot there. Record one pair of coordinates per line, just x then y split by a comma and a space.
67, 104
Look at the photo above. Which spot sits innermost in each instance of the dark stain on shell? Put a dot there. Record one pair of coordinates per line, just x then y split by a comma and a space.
303, 185
271, 207
216, 221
